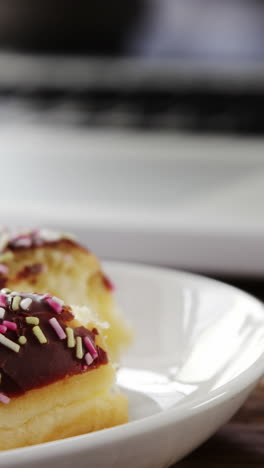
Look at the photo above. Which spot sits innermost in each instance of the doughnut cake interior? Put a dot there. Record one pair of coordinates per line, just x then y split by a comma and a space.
56, 380
47, 261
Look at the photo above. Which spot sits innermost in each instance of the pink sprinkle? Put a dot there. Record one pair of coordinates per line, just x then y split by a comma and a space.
54, 305
90, 346
3, 269
46, 296
10, 325
58, 329
2, 300
22, 236
4, 399
3, 329
88, 359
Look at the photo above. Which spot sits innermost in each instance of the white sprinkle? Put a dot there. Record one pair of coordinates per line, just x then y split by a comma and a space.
58, 329
26, 303
68, 236
48, 235
4, 239
2, 312
4, 399
88, 359
58, 300
6, 291
23, 242
9, 343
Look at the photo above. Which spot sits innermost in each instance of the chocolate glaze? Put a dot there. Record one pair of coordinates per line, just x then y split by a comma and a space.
37, 365
33, 239
30, 270
3, 281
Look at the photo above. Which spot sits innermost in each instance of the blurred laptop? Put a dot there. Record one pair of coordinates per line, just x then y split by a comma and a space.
151, 112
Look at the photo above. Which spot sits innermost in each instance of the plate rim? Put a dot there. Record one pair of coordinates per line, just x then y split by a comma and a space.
160, 420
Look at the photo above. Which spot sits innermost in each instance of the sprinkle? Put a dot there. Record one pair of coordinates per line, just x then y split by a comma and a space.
54, 305
3, 329
68, 236
2, 300
32, 320
23, 241
23, 233
49, 236
26, 303
10, 325
3, 269
22, 340
4, 399
9, 343
2, 312
58, 329
46, 296
90, 346
79, 348
39, 335
70, 337
6, 256
4, 240
88, 359
58, 300
16, 302
6, 291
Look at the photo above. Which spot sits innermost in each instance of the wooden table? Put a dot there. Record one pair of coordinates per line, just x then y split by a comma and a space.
240, 443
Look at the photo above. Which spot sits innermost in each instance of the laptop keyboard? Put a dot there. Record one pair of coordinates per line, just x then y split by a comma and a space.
196, 111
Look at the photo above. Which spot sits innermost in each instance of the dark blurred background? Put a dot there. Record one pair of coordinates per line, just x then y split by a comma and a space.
177, 64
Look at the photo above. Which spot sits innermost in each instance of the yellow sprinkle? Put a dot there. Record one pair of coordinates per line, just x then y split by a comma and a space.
32, 320
22, 340
6, 256
68, 236
70, 337
39, 334
15, 302
79, 348
9, 343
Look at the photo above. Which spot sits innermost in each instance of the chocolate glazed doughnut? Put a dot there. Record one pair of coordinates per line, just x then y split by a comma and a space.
31, 320
55, 376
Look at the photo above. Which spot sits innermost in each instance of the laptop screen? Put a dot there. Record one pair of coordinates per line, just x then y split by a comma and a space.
211, 30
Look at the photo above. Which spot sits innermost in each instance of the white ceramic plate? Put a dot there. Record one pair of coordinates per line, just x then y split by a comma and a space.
198, 353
